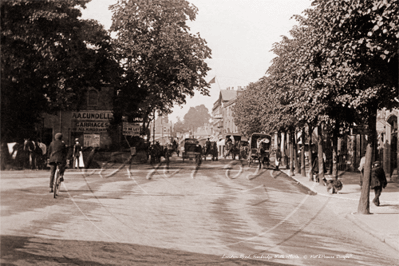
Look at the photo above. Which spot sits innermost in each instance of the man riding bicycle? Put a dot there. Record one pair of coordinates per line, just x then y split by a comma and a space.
57, 152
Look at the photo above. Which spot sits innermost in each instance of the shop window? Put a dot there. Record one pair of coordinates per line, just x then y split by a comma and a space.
92, 98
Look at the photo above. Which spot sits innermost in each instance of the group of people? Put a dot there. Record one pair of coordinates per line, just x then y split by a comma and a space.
33, 154
30, 154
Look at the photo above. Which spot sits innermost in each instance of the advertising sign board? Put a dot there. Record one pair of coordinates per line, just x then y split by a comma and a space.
131, 129
91, 140
91, 121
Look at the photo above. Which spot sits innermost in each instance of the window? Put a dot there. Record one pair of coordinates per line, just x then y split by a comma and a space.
92, 97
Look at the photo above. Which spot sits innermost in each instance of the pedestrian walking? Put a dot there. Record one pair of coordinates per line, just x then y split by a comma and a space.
208, 146
278, 159
378, 181
263, 155
361, 169
77, 152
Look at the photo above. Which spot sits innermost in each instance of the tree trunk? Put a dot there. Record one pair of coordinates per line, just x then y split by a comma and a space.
296, 158
330, 162
303, 166
283, 157
291, 147
310, 172
320, 153
364, 201
334, 171
286, 151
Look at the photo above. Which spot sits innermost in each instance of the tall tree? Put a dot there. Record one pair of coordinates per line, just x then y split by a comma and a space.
49, 56
179, 126
163, 62
247, 111
359, 61
196, 117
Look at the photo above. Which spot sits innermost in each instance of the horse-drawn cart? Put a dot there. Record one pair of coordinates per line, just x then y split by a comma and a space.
256, 141
232, 147
190, 149
209, 148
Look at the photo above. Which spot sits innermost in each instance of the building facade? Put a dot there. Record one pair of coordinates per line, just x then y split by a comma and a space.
389, 145
222, 113
223, 117
161, 130
89, 124
229, 126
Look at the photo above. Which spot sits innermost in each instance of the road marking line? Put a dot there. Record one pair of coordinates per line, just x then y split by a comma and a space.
134, 179
85, 214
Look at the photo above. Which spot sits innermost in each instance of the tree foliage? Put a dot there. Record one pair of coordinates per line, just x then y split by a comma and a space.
162, 61
49, 57
247, 110
196, 117
342, 61
258, 109
179, 126
357, 51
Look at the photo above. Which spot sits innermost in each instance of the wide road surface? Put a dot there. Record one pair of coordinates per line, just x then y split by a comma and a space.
185, 216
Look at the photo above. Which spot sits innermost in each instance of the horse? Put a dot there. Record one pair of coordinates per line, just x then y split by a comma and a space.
232, 149
174, 147
30, 155
244, 150
211, 150
156, 152
41, 152
17, 155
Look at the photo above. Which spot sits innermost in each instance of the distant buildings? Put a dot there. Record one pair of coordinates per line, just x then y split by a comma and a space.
163, 130
222, 113
203, 132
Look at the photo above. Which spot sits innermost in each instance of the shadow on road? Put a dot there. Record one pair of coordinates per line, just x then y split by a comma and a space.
40, 251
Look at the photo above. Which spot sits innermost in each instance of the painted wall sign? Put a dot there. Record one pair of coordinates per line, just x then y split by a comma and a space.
91, 140
92, 115
131, 129
91, 121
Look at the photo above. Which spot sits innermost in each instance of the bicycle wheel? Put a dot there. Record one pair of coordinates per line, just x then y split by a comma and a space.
56, 182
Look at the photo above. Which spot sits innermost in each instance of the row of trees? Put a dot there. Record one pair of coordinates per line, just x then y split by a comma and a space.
50, 57
339, 67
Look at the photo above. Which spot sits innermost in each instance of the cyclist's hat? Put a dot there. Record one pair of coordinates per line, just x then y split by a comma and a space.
58, 136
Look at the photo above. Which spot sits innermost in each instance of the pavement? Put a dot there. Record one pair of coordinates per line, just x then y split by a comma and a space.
382, 222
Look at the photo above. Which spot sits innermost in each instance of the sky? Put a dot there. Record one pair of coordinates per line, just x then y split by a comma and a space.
240, 33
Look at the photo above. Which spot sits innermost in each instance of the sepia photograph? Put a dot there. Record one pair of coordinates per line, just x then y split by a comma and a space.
199, 132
